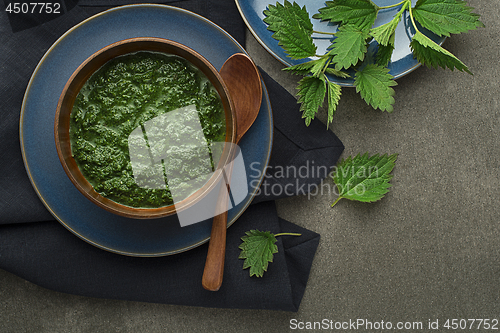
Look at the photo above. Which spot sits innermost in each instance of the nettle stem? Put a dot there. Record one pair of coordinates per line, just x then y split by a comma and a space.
412, 19
335, 202
395, 5
323, 33
287, 234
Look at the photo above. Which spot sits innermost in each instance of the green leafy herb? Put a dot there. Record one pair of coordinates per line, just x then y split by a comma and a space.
384, 54
360, 13
431, 54
445, 17
305, 68
384, 34
311, 94
349, 47
364, 178
333, 98
374, 83
338, 73
293, 29
258, 248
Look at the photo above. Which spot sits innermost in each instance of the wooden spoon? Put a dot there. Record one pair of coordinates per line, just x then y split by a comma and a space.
245, 89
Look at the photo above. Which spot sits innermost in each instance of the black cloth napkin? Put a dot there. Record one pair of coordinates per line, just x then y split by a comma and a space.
38, 249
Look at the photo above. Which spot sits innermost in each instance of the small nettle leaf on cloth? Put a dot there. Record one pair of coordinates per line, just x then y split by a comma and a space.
258, 248
445, 17
364, 178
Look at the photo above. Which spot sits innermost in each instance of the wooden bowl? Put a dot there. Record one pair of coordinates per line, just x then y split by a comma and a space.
83, 73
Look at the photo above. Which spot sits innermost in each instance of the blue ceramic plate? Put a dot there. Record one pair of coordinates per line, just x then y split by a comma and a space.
402, 61
108, 231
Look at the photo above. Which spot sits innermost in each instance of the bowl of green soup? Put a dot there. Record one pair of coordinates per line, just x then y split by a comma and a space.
142, 125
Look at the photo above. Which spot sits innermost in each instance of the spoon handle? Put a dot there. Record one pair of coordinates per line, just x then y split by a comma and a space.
242, 79
214, 265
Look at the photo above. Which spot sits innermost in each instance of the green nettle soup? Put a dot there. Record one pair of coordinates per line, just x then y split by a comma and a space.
142, 125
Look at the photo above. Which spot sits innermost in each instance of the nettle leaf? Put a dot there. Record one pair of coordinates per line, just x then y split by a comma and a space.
384, 54
334, 92
310, 67
374, 84
292, 28
274, 17
312, 91
333, 71
349, 47
431, 54
257, 249
385, 33
278, 15
361, 13
385, 36
364, 178
445, 17
319, 66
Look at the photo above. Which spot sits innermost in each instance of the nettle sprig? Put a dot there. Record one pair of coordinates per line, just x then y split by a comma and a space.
258, 248
293, 29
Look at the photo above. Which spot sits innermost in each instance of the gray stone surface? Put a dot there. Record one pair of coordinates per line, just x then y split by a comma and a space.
429, 250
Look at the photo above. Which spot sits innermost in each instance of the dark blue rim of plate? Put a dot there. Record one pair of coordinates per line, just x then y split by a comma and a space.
259, 30
241, 207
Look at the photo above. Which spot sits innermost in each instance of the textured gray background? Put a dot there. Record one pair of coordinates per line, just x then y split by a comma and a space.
428, 250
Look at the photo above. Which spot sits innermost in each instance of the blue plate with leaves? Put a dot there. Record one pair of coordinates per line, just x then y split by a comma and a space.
155, 237
401, 62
